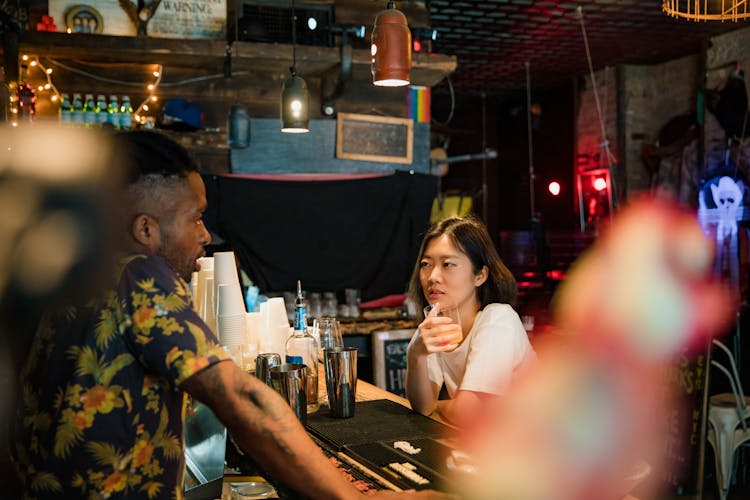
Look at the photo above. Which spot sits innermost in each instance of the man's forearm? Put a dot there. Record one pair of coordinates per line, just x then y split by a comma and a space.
264, 425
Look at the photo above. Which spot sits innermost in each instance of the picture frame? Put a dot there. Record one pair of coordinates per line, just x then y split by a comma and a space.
374, 138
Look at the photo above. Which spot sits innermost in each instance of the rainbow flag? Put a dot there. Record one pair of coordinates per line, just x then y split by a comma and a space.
418, 101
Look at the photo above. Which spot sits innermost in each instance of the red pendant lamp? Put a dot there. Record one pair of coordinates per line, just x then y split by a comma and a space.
391, 48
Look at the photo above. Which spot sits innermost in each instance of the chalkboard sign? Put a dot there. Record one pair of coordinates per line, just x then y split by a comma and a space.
389, 359
685, 385
374, 138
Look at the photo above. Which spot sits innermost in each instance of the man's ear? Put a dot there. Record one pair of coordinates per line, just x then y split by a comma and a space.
145, 231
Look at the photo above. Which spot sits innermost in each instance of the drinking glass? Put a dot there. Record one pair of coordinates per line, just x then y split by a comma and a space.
445, 309
329, 332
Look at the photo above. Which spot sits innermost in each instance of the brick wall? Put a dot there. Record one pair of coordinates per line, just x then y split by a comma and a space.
652, 95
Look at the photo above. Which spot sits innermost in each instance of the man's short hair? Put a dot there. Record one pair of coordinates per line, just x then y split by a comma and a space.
149, 153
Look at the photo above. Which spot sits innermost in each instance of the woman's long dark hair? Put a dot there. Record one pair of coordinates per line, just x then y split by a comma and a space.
470, 236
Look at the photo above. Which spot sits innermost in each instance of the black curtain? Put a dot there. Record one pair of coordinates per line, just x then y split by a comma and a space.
362, 233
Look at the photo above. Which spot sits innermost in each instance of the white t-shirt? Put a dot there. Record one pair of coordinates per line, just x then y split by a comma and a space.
495, 348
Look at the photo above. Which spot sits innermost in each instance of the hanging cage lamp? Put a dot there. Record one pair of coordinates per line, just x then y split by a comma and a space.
707, 10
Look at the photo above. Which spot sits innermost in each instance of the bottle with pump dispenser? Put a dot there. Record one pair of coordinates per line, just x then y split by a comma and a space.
302, 348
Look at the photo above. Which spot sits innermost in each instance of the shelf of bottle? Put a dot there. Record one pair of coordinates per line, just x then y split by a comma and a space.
427, 69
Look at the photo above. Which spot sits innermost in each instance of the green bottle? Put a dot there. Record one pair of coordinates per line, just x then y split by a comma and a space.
113, 112
89, 112
126, 114
77, 113
101, 110
66, 111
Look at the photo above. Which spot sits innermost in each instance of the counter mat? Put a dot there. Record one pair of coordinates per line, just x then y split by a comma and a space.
373, 421
424, 468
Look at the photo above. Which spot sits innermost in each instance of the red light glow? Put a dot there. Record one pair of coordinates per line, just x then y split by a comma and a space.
554, 188
600, 184
417, 46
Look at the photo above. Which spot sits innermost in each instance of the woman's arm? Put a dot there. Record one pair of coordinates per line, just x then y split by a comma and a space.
421, 391
435, 334
463, 408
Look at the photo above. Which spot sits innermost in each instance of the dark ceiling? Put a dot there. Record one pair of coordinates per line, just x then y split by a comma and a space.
493, 39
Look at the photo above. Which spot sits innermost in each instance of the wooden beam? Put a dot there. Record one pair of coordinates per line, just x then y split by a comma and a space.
428, 69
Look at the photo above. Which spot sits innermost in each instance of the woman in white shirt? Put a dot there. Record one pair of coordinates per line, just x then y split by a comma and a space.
458, 265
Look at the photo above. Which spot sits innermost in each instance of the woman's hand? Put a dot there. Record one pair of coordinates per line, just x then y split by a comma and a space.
440, 334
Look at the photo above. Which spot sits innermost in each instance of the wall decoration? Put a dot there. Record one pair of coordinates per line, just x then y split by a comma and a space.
203, 19
723, 204
83, 19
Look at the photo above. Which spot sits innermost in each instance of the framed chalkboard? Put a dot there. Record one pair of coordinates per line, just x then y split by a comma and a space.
374, 138
389, 359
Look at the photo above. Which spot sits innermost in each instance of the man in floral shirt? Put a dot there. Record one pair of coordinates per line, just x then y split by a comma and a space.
104, 386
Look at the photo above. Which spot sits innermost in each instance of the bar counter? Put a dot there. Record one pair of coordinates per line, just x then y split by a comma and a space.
366, 392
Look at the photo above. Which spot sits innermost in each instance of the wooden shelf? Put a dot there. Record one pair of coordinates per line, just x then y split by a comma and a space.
427, 69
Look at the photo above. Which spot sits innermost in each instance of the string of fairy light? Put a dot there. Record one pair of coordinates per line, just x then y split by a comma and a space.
32, 62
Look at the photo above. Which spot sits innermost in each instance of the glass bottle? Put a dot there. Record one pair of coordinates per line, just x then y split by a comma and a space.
126, 114
77, 114
101, 110
113, 112
302, 348
4, 98
66, 112
26, 99
89, 112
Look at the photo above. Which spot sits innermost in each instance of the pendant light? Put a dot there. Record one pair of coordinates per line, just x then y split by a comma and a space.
295, 99
391, 48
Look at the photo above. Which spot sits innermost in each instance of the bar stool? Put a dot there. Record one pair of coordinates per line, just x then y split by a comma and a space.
727, 418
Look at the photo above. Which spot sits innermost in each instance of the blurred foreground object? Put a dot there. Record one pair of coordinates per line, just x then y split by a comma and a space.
56, 215
56, 212
589, 420
645, 288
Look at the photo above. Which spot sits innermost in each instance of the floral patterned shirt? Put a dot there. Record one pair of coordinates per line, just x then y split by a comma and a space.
101, 414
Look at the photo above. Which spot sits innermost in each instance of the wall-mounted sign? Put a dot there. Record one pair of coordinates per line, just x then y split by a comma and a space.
374, 138
170, 19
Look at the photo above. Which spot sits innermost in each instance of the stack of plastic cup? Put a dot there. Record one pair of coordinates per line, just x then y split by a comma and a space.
203, 292
274, 326
252, 332
231, 320
225, 270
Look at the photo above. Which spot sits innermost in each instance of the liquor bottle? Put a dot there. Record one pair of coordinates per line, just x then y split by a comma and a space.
126, 114
4, 98
26, 99
66, 112
89, 112
302, 348
101, 110
113, 112
77, 113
